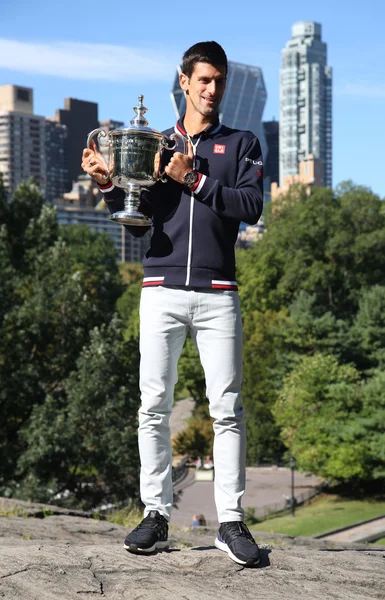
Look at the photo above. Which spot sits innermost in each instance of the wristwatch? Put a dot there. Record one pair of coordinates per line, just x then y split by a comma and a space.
190, 178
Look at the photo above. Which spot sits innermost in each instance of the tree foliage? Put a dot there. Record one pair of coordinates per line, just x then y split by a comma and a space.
332, 421
316, 409
312, 290
313, 298
191, 378
330, 246
262, 372
196, 440
57, 285
81, 443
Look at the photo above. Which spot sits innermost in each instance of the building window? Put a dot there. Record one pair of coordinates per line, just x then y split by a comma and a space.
23, 95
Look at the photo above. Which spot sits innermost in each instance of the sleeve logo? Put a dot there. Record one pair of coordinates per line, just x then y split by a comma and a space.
219, 148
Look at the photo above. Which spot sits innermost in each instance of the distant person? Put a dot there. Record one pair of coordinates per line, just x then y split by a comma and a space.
202, 520
195, 521
189, 286
198, 521
208, 463
198, 463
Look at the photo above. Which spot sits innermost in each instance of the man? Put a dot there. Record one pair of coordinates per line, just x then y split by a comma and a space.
189, 284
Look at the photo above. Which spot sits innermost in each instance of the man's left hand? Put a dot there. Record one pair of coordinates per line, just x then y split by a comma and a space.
180, 164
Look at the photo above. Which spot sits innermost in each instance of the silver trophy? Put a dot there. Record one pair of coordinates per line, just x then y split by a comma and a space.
132, 156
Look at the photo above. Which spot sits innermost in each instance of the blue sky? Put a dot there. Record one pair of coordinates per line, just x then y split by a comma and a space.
111, 52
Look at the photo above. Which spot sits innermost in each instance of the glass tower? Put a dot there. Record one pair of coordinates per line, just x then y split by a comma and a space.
243, 101
305, 102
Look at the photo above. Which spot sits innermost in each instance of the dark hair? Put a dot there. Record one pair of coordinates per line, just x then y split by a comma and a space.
208, 52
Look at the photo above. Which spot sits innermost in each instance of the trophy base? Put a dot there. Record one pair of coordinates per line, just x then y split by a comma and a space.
130, 218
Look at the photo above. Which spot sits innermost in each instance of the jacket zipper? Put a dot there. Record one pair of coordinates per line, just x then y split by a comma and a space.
189, 255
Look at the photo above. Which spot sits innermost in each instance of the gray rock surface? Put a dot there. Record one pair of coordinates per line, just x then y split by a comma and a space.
78, 558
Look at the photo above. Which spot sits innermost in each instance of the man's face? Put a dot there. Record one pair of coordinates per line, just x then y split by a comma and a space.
205, 88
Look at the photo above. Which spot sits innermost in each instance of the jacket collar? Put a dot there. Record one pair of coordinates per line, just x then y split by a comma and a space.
209, 130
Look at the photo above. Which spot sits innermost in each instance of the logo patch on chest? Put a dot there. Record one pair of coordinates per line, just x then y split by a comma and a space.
219, 148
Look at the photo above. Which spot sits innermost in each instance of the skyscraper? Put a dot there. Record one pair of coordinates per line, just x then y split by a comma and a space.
56, 143
30, 145
243, 101
305, 102
271, 161
80, 117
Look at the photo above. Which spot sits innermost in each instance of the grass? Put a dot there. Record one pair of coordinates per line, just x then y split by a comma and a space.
380, 542
12, 510
128, 517
323, 514
182, 543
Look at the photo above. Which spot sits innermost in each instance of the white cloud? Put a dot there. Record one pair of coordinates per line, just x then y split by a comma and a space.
87, 61
365, 90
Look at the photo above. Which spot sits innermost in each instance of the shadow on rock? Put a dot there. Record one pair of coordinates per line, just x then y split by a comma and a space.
367, 550
263, 552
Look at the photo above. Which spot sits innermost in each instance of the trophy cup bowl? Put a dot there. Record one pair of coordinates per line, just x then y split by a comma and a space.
132, 154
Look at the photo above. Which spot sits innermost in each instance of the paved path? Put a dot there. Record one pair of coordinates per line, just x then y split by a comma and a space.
265, 486
181, 411
367, 532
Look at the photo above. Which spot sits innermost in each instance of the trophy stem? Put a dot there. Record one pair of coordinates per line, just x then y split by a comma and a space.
131, 214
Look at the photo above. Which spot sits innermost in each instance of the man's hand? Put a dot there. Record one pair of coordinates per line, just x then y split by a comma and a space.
94, 164
180, 164
156, 165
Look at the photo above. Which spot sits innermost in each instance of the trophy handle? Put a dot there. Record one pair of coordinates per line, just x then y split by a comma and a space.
101, 134
175, 137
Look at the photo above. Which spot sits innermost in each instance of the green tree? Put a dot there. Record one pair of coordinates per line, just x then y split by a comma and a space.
95, 254
318, 273
330, 246
262, 375
56, 286
128, 308
196, 440
367, 335
318, 409
370, 425
191, 379
81, 443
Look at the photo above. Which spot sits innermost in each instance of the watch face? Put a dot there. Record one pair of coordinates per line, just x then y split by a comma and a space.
190, 178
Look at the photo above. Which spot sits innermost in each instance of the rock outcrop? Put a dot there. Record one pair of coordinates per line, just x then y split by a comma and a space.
78, 558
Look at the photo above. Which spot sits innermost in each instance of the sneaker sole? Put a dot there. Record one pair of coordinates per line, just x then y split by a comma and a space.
222, 546
136, 550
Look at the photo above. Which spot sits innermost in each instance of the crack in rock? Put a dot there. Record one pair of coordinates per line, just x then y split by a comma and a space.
101, 590
15, 573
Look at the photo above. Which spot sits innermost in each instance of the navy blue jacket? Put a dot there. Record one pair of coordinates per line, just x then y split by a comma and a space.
194, 232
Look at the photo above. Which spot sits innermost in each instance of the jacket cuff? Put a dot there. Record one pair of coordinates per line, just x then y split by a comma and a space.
198, 185
106, 188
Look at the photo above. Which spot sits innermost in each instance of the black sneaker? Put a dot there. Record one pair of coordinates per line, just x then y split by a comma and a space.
151, 534
235, 539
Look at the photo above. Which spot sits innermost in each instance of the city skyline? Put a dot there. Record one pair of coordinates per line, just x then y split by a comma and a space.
61, 57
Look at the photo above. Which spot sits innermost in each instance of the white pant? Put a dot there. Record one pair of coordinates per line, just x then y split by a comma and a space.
214, 320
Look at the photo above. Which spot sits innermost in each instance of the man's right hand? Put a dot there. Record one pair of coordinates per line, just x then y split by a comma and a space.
94, 164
